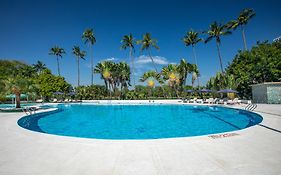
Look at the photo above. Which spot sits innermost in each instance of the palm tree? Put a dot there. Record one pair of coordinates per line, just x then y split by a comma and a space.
79, 55
58, 52
191, 39
16, 85
195, 73
105, 70
123, 75
89, 38
184, 68
128, 42
242, 20
216, 31
170, 73
146, 43
151, 77
39, 66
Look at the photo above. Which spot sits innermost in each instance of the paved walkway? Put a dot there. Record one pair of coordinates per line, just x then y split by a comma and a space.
255, 150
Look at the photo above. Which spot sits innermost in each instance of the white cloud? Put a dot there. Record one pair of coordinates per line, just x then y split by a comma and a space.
110, 59
144, 59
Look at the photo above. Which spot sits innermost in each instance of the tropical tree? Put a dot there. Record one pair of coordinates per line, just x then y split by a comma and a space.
184, 68
216, 31
151, 77
89, 38
146, 44
128, 41
242, 20
104, 69
170, 73
191, 39
79, 55
123, 73
39, 66
58, 52
195, 74
16, 86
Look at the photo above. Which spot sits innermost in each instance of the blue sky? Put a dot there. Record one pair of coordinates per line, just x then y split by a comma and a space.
28, 29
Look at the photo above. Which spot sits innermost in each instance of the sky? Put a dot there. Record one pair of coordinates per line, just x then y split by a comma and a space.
28, 29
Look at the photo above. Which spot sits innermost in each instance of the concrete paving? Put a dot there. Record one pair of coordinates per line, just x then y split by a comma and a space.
255, 150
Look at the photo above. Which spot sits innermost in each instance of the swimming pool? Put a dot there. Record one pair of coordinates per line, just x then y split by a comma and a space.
139, 121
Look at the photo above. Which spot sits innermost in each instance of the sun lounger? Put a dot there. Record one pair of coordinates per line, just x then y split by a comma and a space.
55, 100
192, 100
233, 102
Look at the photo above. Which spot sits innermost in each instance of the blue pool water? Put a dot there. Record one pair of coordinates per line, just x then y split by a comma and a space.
13, 105
139, 121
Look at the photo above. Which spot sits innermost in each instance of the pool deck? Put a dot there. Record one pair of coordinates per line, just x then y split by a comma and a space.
255, 150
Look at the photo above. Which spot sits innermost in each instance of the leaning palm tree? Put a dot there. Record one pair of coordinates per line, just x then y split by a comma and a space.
146, 43
242, 20
216, 31
191, 39
79, 55
89, 38
58, 52
128, 41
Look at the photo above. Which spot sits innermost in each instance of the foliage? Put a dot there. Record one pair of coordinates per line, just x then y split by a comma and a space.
115, 75
261, 64
48, 84
91, 92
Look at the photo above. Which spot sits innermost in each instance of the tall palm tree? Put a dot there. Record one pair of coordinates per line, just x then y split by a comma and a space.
191, 39
128, 41
89, 38
39, 67
242, 20
79, 55
146, 43
58, 52
216, 31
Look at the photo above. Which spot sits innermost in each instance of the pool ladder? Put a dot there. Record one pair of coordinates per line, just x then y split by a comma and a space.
251, 107
28, 110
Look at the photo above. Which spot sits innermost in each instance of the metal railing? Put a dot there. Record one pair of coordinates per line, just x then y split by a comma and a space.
251, 107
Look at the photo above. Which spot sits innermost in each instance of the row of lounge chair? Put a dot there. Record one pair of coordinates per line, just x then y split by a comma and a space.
66, 101
213, 101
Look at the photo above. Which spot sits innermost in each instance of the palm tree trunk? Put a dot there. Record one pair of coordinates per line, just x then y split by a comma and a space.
58, 65
17, 100
149, 53
133, 68
92, 65
154, 65
219, 53
244, 38
194, 54
78, 69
